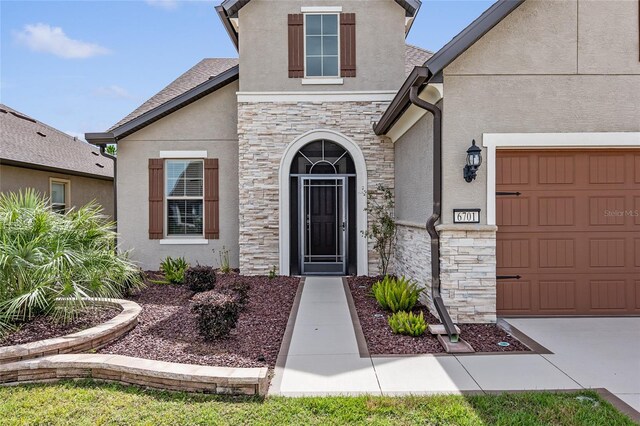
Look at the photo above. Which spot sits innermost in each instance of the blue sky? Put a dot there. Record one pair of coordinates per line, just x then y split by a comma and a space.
81, 66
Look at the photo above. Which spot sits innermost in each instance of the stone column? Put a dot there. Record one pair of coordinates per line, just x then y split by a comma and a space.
413, 257
468, 272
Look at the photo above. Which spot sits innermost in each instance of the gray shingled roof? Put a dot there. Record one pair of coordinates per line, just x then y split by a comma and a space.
415, 57
28, 141
212, 67
200, 73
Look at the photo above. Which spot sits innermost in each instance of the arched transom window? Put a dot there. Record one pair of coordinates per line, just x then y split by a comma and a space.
322, 157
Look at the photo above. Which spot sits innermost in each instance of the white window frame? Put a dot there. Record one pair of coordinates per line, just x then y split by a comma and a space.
67, 192
182, 238
321, 79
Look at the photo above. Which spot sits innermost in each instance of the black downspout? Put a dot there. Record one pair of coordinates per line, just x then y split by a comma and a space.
437, 211
103, 152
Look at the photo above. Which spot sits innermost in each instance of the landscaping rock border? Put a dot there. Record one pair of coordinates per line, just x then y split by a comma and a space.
91, 338
137, 371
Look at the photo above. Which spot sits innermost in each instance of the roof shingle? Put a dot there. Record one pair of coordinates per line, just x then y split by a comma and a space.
26, 140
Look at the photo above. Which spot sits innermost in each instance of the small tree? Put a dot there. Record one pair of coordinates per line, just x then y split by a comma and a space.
382, 229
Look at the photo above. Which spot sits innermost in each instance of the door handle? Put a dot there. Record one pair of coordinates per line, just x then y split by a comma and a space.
344, 226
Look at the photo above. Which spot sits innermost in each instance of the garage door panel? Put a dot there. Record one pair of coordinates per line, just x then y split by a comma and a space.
576, 219
513, 169
607, 294
605, 210
556, 169
515, 296
606, 168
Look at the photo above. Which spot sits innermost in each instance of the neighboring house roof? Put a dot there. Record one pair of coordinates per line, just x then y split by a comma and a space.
27, 142
204, 78
443, 57
415, 57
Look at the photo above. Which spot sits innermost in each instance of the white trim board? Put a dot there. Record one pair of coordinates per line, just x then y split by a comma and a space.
183, 241
494, 141
361, 197
183, 154
320, 81
321, 9
432, 94
316, 96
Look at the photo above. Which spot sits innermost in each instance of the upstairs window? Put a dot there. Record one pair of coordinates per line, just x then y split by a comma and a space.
321, 45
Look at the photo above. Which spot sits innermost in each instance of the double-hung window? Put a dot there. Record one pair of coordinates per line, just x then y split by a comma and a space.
321, 45
59, 190
184, 190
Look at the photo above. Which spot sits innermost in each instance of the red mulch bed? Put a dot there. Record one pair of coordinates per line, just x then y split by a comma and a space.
47, 327
167, 329
381, 340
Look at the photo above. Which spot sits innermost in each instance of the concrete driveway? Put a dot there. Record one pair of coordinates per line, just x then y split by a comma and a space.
594, 352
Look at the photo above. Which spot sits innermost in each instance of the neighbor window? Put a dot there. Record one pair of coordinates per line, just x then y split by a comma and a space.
59, 195
184, 196
321, 45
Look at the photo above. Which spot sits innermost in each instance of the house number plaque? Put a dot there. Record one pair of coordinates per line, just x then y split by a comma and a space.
466, 215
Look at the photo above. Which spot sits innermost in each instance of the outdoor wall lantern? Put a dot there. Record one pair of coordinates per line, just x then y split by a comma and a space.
474, 160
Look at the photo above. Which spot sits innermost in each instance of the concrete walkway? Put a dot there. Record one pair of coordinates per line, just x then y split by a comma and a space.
323, 357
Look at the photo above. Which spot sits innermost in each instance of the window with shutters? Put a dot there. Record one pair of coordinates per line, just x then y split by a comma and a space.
184, 183
321, 45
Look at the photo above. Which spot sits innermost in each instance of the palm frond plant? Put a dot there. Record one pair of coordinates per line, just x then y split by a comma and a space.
51, 262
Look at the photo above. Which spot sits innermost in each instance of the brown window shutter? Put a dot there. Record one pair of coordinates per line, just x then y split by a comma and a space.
347, 44
296, 46
156, 198
211, 199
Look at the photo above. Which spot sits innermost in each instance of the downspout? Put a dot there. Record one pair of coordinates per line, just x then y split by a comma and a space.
103, 152
437, 210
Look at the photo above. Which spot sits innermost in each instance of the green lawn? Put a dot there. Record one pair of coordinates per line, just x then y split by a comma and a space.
89, 403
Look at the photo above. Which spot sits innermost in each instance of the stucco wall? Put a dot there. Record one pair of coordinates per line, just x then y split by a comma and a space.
380, 45
83, 189
208, 124
547, 67
414, 172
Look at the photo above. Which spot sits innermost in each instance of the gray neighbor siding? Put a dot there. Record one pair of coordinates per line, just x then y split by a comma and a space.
548, 67
83, 190
208, 124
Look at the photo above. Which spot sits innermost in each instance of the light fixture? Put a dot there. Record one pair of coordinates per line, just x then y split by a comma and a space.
474, 160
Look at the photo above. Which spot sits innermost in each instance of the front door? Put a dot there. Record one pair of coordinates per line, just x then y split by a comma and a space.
323, 224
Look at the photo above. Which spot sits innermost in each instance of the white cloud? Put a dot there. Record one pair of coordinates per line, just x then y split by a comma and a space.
163, 4
48, 39
113, 91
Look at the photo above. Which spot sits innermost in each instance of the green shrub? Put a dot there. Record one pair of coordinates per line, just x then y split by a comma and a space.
272, 272
200, 278
407, 323
217, 313
50, 262
174, 269
396, 294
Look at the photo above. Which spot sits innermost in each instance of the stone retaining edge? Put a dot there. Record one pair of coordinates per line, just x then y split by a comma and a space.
81, 341
137, 371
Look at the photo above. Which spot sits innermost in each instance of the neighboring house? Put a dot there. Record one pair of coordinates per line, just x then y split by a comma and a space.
270, 158
71, 173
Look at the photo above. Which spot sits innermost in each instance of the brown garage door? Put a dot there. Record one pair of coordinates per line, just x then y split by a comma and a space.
572, 233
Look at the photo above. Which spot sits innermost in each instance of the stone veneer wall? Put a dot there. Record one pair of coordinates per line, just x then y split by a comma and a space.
468, 272
265, 129
413, 257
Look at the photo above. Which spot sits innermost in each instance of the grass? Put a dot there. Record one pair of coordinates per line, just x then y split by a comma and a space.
89, 403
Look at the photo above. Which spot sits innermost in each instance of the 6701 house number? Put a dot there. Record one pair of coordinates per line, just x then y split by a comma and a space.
466, 215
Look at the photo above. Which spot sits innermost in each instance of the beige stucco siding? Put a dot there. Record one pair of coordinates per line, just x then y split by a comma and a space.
208, 124
414, 172
380, 45
523, 77
82, 189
